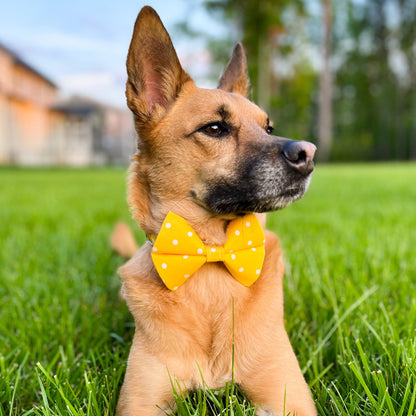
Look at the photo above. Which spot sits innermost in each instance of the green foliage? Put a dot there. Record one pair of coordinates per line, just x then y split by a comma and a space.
293, 111
376, 97
349, 293
259, 24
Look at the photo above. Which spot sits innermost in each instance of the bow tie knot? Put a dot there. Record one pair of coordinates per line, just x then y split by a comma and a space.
214, 253
178, 252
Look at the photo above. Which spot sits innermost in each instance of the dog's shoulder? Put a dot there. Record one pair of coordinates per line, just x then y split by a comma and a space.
272, 243
273, 262
138, 274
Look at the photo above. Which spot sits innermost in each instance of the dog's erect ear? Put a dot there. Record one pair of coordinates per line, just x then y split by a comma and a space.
155, 76
235, 78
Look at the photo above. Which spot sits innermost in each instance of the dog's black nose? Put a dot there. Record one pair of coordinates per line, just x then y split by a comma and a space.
299, 155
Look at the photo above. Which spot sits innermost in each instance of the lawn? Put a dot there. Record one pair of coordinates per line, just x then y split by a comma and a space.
350, 285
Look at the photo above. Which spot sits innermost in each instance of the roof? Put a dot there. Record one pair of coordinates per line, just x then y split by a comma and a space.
20, 62
81, 105
78, 106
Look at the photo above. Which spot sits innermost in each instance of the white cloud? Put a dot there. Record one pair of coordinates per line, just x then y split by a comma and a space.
79, 81
75, 43
107, 87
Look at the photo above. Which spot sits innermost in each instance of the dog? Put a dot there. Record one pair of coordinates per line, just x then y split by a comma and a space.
207, 157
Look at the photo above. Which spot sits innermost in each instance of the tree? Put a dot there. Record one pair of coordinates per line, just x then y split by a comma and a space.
325, 86
375, 85
260, 23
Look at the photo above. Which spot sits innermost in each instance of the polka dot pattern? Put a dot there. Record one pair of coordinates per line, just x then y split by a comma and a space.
178, 252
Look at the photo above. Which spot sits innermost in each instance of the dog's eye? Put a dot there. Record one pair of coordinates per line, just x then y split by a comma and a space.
216, 129
269, 129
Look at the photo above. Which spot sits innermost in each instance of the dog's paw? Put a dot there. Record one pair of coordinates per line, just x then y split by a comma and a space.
262, 411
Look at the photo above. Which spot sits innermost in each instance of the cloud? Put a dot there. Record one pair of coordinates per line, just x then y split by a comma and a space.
89, 80
75, 43
104, 86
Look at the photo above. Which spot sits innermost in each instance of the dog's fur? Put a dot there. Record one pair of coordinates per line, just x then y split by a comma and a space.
208, 156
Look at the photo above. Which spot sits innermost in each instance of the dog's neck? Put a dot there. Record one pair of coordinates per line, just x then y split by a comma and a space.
149, 210
209, 228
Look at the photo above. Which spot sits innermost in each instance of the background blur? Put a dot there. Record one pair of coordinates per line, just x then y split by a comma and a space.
341, 74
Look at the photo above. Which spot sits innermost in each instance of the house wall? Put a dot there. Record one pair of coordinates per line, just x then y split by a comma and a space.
25, 121
120, 136
5, 84
4, 144
33, 131
71, 141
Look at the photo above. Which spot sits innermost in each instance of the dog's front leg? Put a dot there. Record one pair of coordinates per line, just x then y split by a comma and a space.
147, 388
275, 383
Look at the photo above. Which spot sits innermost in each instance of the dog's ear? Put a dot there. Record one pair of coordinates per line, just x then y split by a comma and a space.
155, 76
235, 78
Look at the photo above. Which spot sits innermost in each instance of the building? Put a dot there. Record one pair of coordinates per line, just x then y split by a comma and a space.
85, 132
38, 128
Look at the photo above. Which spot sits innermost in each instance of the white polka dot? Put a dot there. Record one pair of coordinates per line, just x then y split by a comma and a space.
163, 280
186, 276
164, 265
190, 233
253, 249
168, 225
250, 243
154, 249
258, 271
233, 256
248, 224
200, 251
241, 269
185, 257
213, 250
175, 287
237, 232
264, 241
175, 242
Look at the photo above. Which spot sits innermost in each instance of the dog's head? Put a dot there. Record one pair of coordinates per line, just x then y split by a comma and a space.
210, 150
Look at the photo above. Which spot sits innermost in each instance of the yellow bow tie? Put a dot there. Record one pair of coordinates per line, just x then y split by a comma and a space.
178, 252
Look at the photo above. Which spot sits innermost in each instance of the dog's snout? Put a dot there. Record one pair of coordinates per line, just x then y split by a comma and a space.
299, 155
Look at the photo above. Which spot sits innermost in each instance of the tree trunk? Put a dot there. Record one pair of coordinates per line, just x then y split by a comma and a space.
325, 87
263, 74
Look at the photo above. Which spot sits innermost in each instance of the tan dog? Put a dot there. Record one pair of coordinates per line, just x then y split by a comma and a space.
209, 157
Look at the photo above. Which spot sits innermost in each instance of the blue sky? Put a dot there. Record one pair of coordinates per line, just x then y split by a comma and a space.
81, 45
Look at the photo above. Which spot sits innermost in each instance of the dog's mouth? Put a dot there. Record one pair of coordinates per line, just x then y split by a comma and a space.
236, 197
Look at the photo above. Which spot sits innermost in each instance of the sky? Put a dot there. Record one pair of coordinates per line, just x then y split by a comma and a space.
81, 45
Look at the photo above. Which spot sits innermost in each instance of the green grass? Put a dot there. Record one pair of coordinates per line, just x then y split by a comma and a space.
350, 285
